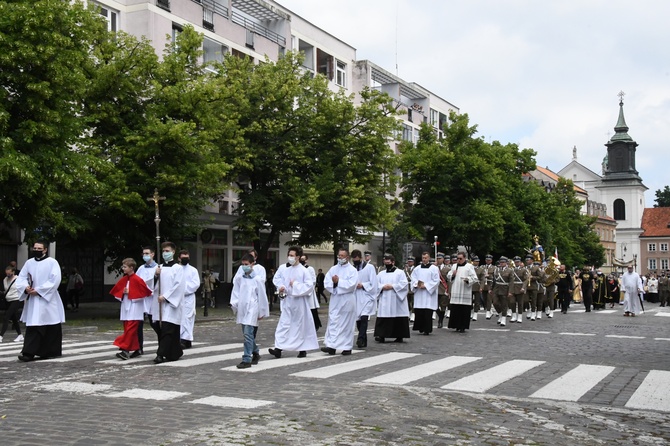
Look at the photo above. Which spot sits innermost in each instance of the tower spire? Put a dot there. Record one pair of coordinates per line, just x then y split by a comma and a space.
621, 129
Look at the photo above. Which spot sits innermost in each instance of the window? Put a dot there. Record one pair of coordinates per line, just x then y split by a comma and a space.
664, 247
165, 4
111, 17
652, 264
212, 51
434, 117
664, 264
176, 29
619, 209
341, 75
250, 39
651, 247
406, 133
208, 19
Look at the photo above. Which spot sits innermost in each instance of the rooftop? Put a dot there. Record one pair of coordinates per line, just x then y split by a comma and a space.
656, 222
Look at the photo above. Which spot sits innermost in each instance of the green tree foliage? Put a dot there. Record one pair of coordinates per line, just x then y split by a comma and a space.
472, 193
44, 66
314, 162
662, 198
154, 125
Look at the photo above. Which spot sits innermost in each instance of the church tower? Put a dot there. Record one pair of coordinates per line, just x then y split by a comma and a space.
621, 189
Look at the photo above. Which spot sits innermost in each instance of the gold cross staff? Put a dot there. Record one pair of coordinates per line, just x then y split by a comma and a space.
156, 199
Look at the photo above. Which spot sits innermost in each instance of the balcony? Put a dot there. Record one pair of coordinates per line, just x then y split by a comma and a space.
164, 4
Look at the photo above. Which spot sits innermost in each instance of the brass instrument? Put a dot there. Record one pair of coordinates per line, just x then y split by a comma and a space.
552, 271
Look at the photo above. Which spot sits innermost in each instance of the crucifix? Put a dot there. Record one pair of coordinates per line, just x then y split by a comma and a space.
157, 219
621, 95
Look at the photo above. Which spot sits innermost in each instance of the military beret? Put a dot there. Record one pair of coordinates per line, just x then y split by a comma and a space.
517, 258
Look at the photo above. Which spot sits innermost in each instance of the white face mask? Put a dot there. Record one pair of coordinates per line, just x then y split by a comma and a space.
290, 260
341, 261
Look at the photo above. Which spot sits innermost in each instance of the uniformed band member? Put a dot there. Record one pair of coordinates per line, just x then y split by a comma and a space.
532, 288
502, 278
517, 290
477, 288
442, 289
487, 284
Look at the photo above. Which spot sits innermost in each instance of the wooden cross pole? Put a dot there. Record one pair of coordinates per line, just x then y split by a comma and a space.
157, 219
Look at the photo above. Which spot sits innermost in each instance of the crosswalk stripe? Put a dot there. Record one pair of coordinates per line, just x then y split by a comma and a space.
574, 384
284, 362
653, 393
235, 403
111, 350
663, 314
156, 395
533, 331
489, 378
625, 337
350, 366
147, 359
421, 371
606, 311
76, 387
577, 334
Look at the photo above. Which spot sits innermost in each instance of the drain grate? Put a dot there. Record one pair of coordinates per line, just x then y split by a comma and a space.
625, 326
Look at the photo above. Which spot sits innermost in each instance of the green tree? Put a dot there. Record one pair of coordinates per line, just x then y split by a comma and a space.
154, 125
44, 66
662, 198
314, 163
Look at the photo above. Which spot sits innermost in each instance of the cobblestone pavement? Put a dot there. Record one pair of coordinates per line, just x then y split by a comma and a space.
577, 379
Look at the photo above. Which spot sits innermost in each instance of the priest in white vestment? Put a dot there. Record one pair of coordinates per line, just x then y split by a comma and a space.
424, 282
461, 277
366, 296
295, 329
191, 285
43, 311
631, 284
166, 308
392, 306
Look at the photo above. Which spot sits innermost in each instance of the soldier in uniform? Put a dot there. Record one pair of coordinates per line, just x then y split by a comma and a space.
517, 290
477, 288
565, 288
663, 289
550, 291
502, 278
487, 283
442, 290
532, 295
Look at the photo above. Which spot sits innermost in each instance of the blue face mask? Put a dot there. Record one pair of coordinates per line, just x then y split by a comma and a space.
146, 258
167, 256
246, 268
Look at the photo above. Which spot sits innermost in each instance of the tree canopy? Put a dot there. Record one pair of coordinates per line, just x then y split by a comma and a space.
662, 198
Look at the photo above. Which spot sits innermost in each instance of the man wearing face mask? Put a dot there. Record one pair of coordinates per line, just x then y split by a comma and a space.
43, 311
146, 272
392, 310
341, 281
191, 285
295, 329
167, 306
425, 280
366, 296
313, 301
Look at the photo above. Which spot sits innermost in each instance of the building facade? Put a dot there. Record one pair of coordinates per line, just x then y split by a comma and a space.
655, 241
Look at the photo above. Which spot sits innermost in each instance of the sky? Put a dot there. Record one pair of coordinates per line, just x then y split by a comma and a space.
542, 74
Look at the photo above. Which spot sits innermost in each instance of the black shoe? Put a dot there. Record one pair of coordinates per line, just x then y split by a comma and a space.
330, 351
185, 344
346, 352
359, 343
302, 354
26, 358
255, 358
136, 353
159, 360
398, 341
439, 324
379, 339
123, 355
276, 352
243, 365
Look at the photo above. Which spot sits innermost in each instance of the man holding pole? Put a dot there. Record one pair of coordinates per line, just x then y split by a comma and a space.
167, 305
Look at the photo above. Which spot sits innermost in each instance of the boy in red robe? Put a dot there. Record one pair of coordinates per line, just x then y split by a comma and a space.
131, 291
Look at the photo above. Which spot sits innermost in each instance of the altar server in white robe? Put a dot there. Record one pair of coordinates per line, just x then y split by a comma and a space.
313, 301
295, 329
191, 285
425, 281
166, 308
341, 281
366, 296
461, 277
632, 287
259, 270
43, 311
148, 273
392, 307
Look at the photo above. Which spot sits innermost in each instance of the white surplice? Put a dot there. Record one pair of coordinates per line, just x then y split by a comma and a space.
425, 297
631, 284
148, 272
172, 288
191, 285
46, 307
460, 291
366, 297
249, 300
342, 307
393, 302
295, 329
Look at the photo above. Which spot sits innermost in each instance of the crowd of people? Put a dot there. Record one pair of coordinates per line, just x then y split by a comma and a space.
403, 299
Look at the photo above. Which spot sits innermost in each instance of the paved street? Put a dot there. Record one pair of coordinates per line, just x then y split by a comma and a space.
581, 378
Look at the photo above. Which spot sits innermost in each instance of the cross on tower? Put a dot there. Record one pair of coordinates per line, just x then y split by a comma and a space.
621, 95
